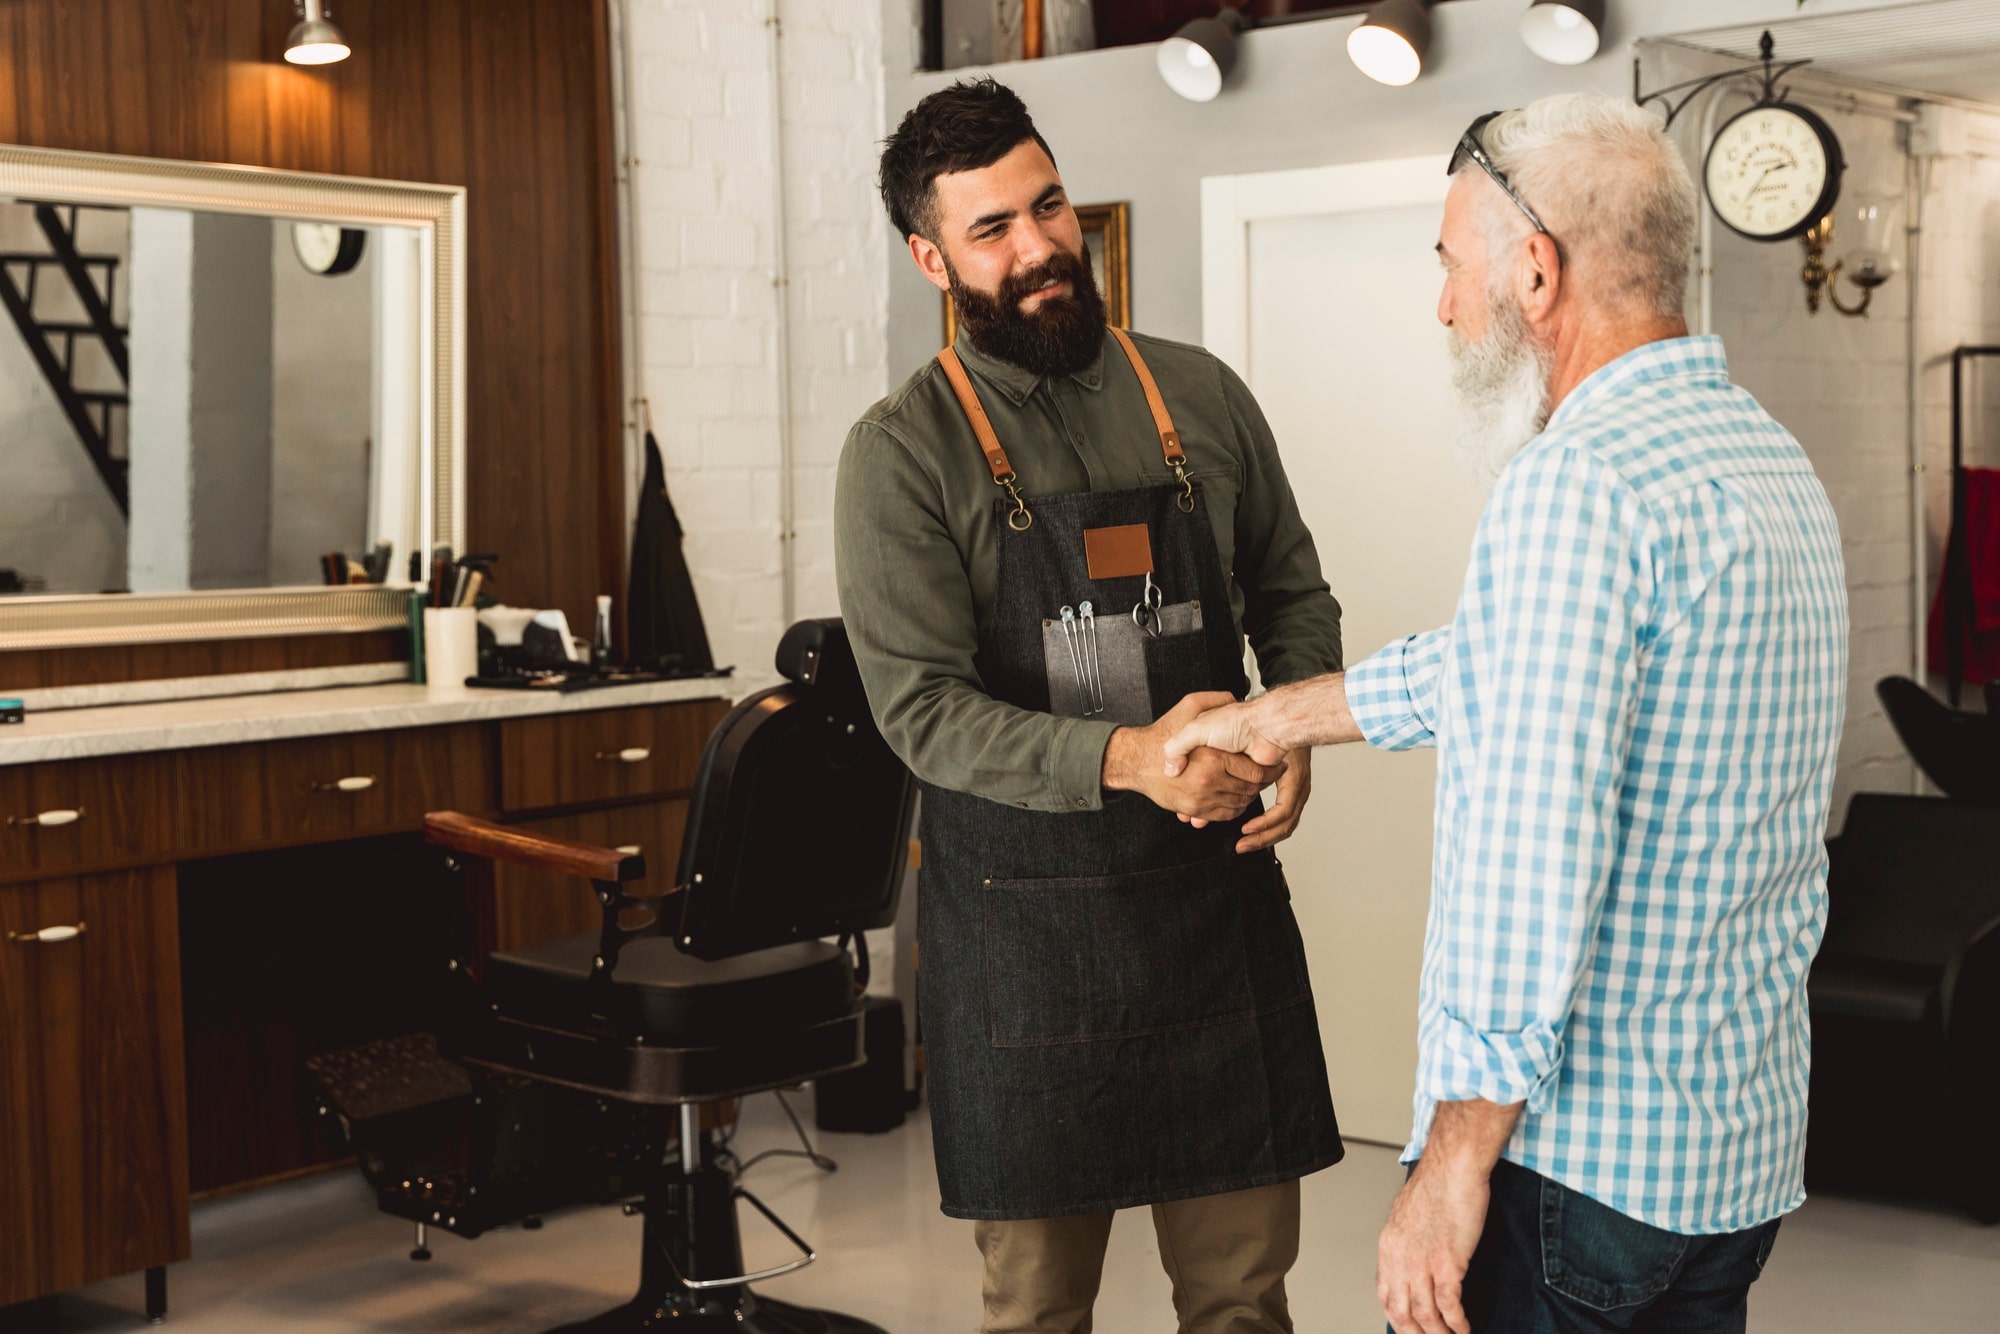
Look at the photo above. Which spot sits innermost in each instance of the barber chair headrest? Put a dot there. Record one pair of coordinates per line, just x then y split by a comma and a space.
816, 653
800, 822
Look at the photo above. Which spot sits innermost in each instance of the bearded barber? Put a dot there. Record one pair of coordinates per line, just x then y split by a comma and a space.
1052, 541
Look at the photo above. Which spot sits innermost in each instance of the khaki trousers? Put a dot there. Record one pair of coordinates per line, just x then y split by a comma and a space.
1226, 1254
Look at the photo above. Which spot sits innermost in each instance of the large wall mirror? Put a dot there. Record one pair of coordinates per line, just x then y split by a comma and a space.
211, 377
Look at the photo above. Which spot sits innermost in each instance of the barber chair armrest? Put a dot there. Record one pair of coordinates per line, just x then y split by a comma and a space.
482, 838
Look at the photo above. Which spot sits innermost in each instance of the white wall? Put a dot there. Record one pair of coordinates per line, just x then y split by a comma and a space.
709, 310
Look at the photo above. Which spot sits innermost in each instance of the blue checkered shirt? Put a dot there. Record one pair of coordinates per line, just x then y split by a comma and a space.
1636, 711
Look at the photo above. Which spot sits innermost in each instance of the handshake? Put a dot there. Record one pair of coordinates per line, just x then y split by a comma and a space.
1210, 756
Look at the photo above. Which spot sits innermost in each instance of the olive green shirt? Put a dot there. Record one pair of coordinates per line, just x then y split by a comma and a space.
916, 549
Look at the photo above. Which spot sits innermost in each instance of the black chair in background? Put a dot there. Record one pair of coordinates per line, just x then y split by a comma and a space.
1905, 1001
715, 986
1960, 752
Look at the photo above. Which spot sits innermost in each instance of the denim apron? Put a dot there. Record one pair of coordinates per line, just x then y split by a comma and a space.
1115, 1005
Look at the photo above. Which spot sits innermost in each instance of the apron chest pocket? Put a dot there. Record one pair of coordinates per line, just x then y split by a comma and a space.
1086, 959
1111, 669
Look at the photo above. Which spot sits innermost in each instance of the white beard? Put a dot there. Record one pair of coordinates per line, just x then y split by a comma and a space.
1502, 386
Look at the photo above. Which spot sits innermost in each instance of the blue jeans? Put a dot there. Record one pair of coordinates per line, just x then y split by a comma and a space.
1552, 1261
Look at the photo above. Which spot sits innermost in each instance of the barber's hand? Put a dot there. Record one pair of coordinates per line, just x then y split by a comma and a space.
1241, 729
1282, 820
1207, 784
1421, 1260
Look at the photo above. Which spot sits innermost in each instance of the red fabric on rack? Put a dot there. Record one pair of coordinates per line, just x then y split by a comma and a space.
1982, 538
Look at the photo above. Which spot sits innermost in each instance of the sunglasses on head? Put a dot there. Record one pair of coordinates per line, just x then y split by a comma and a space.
1469, 146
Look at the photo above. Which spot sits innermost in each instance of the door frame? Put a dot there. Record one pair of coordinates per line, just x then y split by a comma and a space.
1229, 204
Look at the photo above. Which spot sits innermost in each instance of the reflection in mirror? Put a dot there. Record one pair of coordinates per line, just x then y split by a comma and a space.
204, 401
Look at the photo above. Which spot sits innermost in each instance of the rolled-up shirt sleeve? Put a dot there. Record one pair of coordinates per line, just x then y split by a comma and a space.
910, 619
1393, 695
1545, 688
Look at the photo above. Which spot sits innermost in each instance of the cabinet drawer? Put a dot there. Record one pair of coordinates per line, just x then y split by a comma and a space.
332, 787
604, 755
55, 817
531, 905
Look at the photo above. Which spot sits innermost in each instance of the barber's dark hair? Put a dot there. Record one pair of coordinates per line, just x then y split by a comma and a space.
972, 124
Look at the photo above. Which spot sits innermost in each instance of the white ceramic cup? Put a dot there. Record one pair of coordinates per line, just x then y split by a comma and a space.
451, 646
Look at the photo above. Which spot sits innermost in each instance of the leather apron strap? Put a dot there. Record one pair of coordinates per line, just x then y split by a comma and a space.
1170, 439
1019, 519
996, 456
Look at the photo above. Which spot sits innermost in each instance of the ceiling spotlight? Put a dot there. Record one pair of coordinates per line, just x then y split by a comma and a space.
1195, 60
1565, 32
315, 41
1389, 45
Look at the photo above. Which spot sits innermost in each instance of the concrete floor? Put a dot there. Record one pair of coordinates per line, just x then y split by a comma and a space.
315, 1256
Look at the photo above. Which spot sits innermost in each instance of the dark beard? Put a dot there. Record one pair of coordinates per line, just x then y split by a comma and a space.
1061, 337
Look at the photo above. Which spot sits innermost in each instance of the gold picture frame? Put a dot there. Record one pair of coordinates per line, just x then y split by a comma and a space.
1107, 239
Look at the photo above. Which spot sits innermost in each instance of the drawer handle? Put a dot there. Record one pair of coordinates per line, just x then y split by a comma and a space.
48, 935
357, 783
48, 819
629, 755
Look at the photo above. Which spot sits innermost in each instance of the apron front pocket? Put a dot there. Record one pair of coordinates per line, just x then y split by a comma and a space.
1085, 959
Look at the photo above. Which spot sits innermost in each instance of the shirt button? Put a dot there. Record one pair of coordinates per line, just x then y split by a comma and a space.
1083, 803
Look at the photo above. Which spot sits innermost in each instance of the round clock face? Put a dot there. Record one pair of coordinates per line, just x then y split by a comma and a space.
325, 247
1773, 172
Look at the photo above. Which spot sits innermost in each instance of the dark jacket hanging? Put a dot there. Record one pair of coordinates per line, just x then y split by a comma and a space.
664, 618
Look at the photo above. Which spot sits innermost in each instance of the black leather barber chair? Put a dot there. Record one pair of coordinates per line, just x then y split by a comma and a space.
1906, 1005
1960, 752
717, 985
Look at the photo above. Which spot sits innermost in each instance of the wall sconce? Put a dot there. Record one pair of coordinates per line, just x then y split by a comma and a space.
314, 40
1868, 265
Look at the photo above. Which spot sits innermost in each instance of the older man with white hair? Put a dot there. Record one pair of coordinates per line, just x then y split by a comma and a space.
1636, 709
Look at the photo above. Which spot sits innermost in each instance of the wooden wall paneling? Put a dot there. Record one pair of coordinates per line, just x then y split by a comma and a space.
509, 98
93, 1120
31, 669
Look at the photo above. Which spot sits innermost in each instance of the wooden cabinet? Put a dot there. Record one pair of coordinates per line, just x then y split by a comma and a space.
292, 875
572, 759
93, 1113
64, 817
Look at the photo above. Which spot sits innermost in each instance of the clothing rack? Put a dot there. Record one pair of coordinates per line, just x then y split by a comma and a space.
1958, 608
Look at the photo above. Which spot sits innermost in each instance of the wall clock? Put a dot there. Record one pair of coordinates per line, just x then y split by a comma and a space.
1773, 171
326, 248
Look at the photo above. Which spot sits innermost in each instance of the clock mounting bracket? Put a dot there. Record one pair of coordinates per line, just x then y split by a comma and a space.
1767, 67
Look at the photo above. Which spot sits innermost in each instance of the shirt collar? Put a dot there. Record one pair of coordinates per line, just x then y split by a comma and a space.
1697, 358
1017, 382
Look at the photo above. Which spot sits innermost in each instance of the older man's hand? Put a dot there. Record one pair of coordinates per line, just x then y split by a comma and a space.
1281, 820
1206, 785
1240, 729
1421, 1260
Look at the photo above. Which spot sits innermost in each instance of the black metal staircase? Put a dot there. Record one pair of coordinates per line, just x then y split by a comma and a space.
53, 343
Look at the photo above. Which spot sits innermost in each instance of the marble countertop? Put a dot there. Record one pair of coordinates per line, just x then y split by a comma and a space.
124, 729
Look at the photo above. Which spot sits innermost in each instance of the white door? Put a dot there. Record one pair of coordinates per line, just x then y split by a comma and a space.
1321, 288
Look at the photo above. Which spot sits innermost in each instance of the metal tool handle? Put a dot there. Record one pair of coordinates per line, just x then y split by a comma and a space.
629, 755
47, 819
805, 1251
352, 783
48, 935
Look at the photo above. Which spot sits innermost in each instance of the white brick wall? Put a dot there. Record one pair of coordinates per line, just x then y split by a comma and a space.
708, 300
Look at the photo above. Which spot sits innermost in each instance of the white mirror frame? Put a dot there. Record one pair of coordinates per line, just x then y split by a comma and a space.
437, 214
